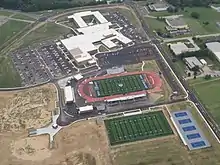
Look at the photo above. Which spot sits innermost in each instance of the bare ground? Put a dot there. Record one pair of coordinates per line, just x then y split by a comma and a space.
83, 143
20, 110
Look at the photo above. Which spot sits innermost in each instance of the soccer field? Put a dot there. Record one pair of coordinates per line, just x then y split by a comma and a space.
119, 85
138, 127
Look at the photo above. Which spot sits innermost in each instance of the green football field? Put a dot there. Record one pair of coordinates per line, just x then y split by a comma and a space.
137, 127
119, 85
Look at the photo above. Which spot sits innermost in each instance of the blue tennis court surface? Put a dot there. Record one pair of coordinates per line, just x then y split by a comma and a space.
198, 144
191, 134
184, 121
189, 128
180, 114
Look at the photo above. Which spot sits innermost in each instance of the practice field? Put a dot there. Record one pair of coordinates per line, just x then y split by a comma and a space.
208, 93
120, 85
138, 127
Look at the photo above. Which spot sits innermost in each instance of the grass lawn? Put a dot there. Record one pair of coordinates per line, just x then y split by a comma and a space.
208, 93
196, 25
161, 13
169, 151
23, 16
5, 13
206, 14
155, 24
138, 127
133, 67
9, 29
46, 32
129, 15
8, 76
151, 66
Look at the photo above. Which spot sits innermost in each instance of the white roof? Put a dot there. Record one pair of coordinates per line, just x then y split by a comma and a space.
100, 17
78, 76
95, 28
178, 48
68, 94
86, 108
109, 43
181, 47
126, 97
81, 23
203, 61
81, 41
92, 61
215, 48
193, 61
81, 45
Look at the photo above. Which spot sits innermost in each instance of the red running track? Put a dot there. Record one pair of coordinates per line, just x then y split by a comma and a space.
153, 78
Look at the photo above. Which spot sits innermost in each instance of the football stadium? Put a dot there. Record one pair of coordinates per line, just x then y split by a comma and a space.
120, 86
137, 127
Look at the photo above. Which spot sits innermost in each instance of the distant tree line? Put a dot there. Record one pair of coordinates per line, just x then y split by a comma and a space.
37, 5
191, 3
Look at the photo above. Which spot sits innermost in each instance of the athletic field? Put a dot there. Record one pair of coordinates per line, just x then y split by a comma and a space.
120, 85
137, 127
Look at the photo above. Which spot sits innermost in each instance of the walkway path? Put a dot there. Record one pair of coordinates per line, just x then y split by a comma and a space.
22, 20
48, 130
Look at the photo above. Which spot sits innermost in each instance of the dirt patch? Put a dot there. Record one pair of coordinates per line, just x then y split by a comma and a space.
83, 143
31, 148
78, 158
24, 109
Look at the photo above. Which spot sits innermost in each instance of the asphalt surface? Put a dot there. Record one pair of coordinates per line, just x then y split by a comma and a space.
128, 55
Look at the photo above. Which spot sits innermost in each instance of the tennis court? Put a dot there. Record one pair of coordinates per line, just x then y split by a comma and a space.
137, 127
120, 85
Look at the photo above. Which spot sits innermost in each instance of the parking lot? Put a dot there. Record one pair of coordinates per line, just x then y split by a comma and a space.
38, 65
55, 59
126, 28
30, 67
129, 55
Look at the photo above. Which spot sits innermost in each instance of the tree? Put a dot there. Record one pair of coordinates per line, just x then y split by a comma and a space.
195, 15
189, 74
195, 74
206, 22
172, 9
159, 32
208, 77
196, 68
191, 3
